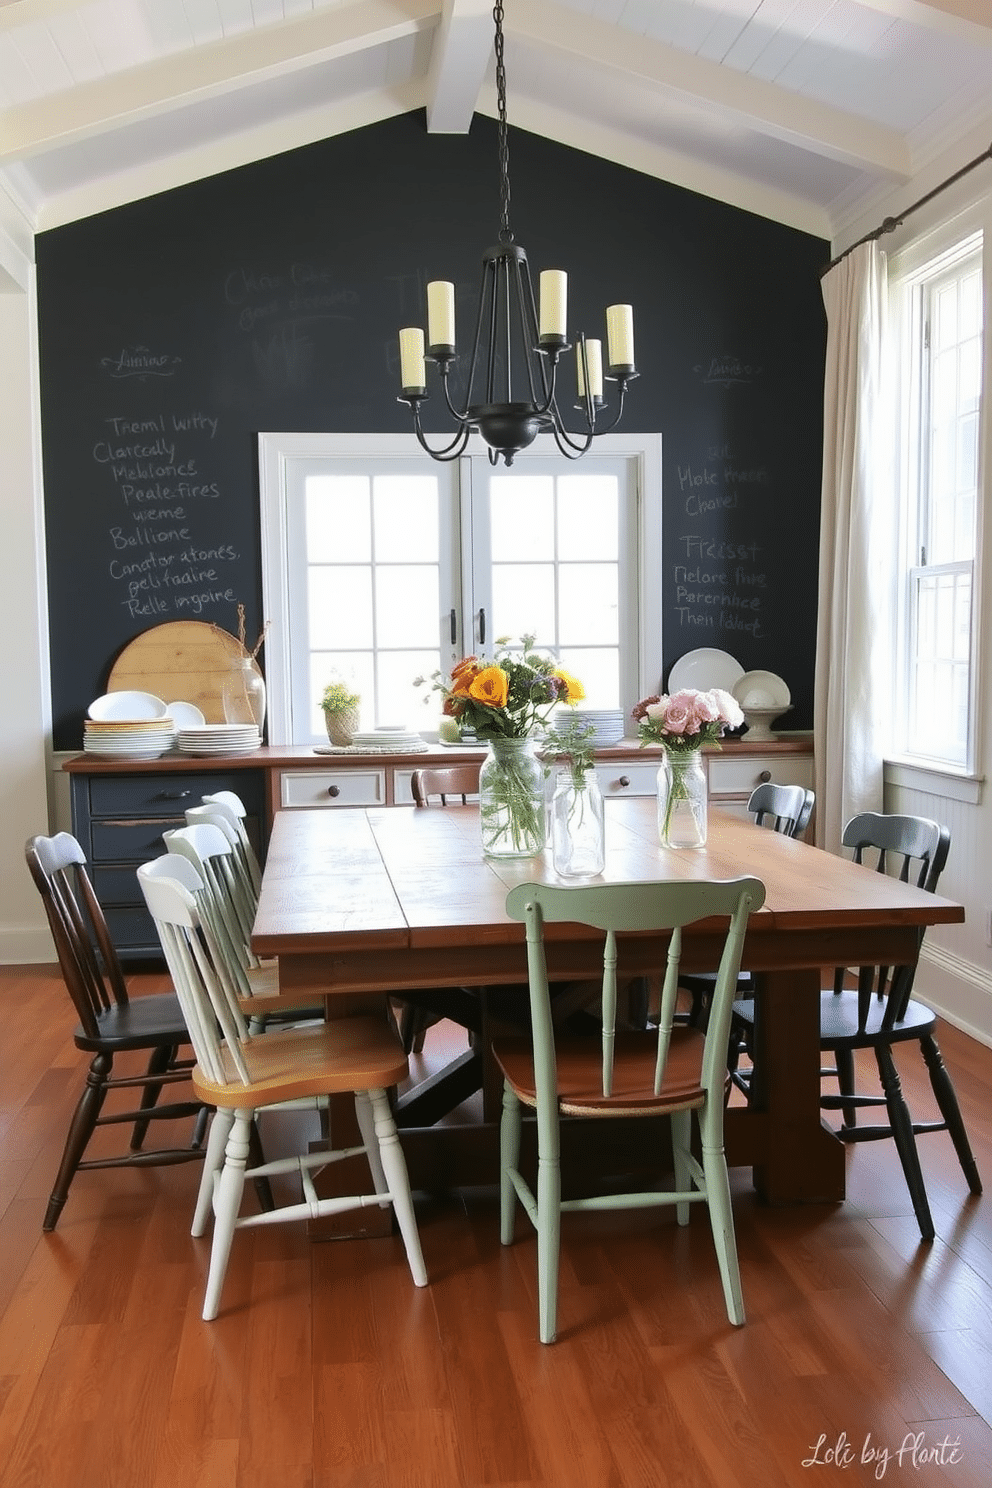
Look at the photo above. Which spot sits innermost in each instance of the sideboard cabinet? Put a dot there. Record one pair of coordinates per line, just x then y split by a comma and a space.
120, 809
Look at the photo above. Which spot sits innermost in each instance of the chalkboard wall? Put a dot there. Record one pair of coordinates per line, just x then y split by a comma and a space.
174, 329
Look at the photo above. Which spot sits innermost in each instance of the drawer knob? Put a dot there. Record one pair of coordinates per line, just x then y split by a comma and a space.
333, 790
624, 781
765, 776
176, 795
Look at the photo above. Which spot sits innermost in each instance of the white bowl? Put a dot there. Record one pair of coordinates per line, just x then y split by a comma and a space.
127, 705
775, 692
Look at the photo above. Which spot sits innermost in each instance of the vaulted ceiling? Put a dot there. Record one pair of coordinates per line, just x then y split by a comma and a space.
808, 111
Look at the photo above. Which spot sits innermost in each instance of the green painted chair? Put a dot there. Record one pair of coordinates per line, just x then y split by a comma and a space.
668, 1070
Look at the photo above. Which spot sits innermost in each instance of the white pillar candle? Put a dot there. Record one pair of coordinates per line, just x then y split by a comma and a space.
554, 302
594, 361
440, 313
412, 371
620, 335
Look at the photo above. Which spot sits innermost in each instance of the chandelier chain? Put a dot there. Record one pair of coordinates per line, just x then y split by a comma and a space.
505, 234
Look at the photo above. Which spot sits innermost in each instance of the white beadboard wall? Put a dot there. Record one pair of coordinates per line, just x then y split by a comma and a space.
955, 974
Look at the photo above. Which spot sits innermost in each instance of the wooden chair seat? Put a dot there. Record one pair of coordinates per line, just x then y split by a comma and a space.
579, 1065
292, 1064
841, 1023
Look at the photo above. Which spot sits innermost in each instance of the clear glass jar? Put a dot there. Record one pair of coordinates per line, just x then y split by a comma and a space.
243, 696
512, 809
578, 842
682, 801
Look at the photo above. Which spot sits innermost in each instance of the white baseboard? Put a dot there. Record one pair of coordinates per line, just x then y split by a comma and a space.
957, 989
26, 945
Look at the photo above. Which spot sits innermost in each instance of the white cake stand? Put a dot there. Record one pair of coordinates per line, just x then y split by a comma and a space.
759, 722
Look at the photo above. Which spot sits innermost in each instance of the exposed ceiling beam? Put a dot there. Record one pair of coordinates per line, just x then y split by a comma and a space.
969, 20
211, 70
765, 107
463, 45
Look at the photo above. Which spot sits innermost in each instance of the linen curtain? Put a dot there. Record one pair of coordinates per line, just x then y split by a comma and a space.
857, 550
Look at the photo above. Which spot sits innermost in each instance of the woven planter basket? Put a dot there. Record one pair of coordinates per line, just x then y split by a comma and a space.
342, 726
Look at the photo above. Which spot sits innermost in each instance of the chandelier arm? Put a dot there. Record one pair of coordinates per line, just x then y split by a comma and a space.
566, 447
448, 451
458, 415
621, 390
565, 441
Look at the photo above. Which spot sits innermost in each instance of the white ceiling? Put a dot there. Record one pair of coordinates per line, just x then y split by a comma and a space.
808, 111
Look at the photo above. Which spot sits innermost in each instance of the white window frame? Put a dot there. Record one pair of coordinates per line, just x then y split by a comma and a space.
922, 263
277, 451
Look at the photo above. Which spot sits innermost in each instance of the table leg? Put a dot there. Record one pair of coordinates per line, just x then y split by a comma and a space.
798, 1159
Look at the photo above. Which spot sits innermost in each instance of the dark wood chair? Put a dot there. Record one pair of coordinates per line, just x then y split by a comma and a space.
460, 781
110, 1023
879, 1012
779, 808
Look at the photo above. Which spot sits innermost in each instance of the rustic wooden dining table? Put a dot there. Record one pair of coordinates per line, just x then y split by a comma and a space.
374, 901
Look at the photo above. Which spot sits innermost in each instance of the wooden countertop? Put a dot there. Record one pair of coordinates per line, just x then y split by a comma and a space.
298, 756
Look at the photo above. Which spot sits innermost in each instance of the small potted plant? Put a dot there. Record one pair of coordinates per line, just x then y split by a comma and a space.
341, 707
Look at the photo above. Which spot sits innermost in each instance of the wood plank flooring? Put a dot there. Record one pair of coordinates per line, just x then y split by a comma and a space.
866, 1356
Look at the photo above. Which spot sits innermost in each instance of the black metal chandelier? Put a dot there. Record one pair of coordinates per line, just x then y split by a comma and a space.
513, 347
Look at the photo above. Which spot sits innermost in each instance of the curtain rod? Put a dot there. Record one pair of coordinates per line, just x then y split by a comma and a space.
891, 223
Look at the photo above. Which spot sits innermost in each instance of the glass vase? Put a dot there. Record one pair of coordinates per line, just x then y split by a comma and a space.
578, 846
243, 695
511, 800
682, 800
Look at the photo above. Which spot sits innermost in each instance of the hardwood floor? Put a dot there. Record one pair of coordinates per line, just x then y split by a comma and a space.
329, 1369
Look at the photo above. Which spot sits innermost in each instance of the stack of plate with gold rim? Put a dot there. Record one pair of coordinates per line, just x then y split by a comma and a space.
128, 738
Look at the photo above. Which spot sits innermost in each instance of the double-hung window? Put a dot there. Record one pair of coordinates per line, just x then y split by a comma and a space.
381, 565
940, 327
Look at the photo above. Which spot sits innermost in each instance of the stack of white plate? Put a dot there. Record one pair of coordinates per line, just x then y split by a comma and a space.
389, 741
607, 723
219, 738
135, 738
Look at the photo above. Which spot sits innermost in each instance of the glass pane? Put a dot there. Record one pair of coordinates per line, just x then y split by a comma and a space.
588, 604
352, 667
945, 327
523, 601
588, 526
397, 700
340, 607
406, 518
599, 673
337, 522
522, 517
407, 604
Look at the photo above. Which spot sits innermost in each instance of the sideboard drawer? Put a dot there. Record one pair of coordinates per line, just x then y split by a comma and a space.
149, 795
361, 787
739, 777
130, 842
625, 779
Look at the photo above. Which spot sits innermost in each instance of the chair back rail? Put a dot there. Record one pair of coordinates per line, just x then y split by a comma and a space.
460, 781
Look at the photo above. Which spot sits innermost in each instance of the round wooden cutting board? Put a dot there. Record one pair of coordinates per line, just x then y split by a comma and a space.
183, 661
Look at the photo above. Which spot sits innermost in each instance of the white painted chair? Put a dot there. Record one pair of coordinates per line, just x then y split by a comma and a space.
224, 908
240, 1075
232, 807
671, 1070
